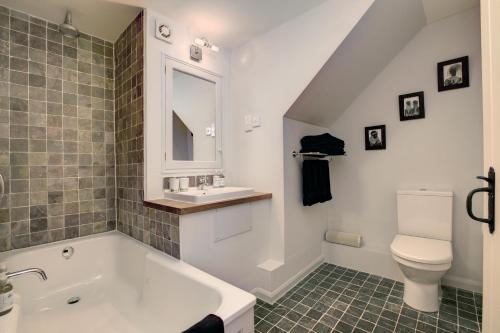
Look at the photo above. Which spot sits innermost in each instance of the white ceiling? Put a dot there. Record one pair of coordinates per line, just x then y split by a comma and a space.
439, 9
231, 23
228, 23
99, 18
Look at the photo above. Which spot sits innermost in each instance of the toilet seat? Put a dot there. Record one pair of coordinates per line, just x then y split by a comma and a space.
419, 250
422, 266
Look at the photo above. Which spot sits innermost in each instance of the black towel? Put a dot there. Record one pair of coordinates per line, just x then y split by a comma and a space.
324, 143
209, 324
315, 182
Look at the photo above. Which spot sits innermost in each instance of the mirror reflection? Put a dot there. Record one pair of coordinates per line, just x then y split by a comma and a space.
193, 118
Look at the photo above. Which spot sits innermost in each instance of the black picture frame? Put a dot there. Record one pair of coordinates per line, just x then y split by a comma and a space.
460, 76
412, 106
380, 133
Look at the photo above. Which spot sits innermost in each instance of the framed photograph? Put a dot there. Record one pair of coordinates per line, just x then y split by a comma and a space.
411, 106
375, 137
453, 74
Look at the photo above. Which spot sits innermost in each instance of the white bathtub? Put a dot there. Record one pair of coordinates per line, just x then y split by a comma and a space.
123, 285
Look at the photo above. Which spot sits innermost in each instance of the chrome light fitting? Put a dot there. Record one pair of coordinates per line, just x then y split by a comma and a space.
196, 51
205, 43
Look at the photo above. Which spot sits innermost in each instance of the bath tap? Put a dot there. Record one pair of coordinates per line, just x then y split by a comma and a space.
38, 271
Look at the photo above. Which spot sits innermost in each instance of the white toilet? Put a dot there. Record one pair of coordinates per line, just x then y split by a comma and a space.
422, 247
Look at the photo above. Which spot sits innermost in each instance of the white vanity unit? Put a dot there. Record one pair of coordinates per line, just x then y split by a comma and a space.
222, 237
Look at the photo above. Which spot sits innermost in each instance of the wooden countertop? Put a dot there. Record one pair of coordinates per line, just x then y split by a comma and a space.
183, 208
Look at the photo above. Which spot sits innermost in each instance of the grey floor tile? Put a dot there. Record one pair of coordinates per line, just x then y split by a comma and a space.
335, 299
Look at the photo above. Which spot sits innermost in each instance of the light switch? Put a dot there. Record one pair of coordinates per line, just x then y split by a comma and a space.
248, 123
256, 120
210, 131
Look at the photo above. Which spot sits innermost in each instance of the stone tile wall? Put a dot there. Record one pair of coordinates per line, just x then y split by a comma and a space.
61, 110
153, 227
56, 133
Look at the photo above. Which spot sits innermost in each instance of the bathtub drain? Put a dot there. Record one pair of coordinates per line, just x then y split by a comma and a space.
73, 300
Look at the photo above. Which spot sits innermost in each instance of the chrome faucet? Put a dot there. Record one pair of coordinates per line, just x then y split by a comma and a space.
202, 183
40, 272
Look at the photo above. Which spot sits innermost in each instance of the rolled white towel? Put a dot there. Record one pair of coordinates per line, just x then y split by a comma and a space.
344, 238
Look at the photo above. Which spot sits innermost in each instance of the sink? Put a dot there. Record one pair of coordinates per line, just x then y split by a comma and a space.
195, 195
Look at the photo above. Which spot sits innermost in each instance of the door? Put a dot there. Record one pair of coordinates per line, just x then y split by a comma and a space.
490, 47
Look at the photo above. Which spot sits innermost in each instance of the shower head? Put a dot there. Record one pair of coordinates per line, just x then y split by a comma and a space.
67, 28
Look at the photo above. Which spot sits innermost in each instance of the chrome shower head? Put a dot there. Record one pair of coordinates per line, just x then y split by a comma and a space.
67, 28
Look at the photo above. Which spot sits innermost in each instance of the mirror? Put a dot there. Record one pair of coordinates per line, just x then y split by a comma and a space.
193, 117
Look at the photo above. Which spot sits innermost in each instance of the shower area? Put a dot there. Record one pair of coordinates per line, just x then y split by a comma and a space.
71, 144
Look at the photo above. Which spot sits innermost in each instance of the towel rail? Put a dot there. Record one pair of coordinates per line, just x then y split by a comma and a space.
312, 155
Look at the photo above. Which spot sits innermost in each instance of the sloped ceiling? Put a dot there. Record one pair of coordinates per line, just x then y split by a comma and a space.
380, 34
99, 18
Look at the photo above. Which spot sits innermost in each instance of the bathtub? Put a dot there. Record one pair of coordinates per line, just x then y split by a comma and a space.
119, 285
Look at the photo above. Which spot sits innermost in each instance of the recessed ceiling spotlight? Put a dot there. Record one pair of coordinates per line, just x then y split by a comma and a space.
205, 43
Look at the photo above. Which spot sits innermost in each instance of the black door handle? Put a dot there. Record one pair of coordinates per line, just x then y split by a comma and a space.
491, 200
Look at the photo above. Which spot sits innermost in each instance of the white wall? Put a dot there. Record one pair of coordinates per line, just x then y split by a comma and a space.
304, 226
155, 50
442, 151
267, 75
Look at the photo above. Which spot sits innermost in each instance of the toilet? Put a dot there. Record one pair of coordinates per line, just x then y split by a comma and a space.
422, 247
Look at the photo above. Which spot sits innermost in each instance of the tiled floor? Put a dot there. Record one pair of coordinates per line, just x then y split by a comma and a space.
337, 299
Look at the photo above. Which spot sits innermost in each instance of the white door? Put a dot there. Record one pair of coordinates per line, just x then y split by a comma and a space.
490, 44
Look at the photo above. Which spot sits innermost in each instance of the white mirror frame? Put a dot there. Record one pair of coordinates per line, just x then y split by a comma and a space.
169, 164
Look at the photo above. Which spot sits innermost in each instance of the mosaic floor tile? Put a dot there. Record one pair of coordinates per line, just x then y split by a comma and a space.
335, 299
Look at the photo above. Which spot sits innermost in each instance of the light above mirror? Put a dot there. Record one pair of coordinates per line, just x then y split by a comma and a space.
204, 42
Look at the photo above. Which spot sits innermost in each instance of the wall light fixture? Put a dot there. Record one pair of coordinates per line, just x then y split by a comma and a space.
204, 42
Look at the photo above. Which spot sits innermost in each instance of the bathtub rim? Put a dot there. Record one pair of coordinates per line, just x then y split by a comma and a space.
231, 296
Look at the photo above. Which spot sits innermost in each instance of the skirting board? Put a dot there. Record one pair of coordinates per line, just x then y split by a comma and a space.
272, 296
362, 259
382, 264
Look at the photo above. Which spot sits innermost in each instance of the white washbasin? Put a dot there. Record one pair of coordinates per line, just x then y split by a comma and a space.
195, 195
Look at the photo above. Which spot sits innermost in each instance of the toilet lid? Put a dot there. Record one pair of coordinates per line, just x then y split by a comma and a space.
422, 250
